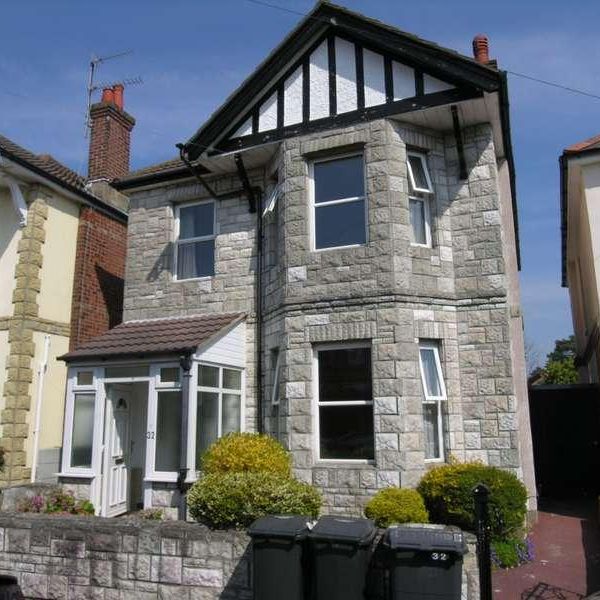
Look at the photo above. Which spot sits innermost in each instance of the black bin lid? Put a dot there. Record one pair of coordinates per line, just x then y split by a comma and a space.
280, 526
425, 538
344, 529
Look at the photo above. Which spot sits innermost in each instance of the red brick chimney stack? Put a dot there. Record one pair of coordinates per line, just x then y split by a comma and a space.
110, 136
481, 49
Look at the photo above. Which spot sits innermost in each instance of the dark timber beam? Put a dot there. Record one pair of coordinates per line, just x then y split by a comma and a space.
183, 154
248, 189
462, 163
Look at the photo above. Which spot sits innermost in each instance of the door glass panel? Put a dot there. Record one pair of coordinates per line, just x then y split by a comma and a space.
168, 431
232, 380
83, 430
231, 413
208, 376
207, 422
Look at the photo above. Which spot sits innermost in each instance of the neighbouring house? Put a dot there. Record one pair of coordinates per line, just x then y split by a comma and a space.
333, 260
580, 236
62, 263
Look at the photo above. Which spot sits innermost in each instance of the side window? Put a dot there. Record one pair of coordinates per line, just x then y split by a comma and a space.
339, 202
420, 198
195, 245
434, 396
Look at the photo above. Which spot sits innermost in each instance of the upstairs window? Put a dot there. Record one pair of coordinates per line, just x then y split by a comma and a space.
339, 202
420, 195
195, 256
434, 396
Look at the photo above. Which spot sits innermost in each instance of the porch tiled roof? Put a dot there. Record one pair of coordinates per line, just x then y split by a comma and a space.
154, 336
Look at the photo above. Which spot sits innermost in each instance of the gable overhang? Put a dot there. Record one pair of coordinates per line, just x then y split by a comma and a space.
325, 24
570, 164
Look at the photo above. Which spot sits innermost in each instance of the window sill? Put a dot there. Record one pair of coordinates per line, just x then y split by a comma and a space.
89, 475
192, 279
346, 463
349, 247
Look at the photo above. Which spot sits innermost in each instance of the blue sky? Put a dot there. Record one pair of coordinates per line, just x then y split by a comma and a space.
192, 54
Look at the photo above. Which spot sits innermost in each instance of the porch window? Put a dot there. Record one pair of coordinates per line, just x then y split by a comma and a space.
195, 245
420, 197
345, 403
168, 431
339, 202
434, 395
83, 430
219, 405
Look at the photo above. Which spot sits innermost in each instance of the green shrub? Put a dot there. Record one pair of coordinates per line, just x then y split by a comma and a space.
237, 499
396, 505
246, 452
448, 494
511, 552
57, 501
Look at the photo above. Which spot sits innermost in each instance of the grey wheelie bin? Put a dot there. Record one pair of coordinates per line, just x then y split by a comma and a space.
278, 557
340, 550
425, 562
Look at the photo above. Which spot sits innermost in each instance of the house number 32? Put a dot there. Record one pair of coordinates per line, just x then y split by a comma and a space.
149, 435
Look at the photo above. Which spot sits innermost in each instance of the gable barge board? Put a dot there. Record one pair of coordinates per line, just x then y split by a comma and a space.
356, 116
326, 20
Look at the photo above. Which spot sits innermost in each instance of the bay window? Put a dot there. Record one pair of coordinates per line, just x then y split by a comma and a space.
195, 244
434, 397
345, 403
339, 202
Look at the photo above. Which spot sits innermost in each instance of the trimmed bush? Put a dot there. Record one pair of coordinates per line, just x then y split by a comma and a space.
246, 452
237, 499
396, 505
448, 494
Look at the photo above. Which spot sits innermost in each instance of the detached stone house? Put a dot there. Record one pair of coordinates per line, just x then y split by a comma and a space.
62, 263
333, 261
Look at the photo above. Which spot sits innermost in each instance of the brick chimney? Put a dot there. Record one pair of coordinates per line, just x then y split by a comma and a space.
110, 136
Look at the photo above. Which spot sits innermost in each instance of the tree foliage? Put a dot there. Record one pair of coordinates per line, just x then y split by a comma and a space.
560, 364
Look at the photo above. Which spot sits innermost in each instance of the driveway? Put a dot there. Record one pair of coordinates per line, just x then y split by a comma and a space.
566, 542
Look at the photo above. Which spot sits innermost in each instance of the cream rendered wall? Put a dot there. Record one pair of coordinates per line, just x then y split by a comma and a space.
10, 234
58, 266
53, 397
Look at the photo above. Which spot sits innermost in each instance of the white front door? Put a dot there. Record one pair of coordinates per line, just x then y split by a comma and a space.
116, 452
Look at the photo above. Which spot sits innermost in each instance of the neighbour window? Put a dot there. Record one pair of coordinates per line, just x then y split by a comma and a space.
345, 403
196, 240
339, 202
219, 405
420, 195
434, 394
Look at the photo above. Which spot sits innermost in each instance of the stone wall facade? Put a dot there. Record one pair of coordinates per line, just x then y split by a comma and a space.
389, 293
69, 558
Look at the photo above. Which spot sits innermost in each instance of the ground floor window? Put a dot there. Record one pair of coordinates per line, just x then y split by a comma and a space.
345, 403
434, 397
219, 405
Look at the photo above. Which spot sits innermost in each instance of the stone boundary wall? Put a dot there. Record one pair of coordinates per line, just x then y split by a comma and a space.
77, 558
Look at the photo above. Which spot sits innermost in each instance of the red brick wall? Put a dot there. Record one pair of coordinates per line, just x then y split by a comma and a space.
99, 273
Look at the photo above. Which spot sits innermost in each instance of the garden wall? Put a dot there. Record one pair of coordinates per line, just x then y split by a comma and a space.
75, 558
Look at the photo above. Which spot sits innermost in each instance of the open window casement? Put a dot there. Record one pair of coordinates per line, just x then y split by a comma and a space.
418, 174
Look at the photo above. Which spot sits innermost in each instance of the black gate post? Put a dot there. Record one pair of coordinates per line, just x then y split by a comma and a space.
481, 495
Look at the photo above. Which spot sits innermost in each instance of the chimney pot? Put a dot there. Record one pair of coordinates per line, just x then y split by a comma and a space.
481, 49
108, 95
118, 95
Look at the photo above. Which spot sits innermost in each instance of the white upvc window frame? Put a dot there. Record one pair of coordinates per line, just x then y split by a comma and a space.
317, 402
194, 388
423, 195
438, 401
98, 429
154, 388
314, 205
203, 238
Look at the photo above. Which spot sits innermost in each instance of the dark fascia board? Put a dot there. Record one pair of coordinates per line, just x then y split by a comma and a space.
88, 199
182, 172
408, 48
73, 357
508, 152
